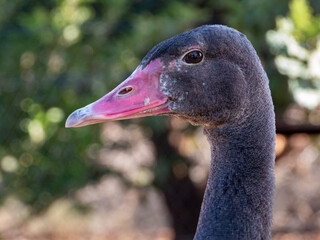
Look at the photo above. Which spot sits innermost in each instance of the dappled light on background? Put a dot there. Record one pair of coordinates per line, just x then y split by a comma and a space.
36, 132
12, 213
297, 51
111, 181
71, 34
9, 164
55, 62
127, 151
281, 143
297, 181
27, 60
295, 114
55, 115
192, 145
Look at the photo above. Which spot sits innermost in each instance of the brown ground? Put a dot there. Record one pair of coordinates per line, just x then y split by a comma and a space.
119, 212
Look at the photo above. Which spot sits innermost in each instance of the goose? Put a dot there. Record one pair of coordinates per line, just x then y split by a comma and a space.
209, 76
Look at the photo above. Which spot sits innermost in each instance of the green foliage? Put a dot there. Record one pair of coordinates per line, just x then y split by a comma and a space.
306, 24
295, 42
60, 55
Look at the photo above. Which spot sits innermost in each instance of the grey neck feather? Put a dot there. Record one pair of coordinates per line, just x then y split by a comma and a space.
239, 195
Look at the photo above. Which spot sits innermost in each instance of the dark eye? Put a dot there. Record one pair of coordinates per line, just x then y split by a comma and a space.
193, 57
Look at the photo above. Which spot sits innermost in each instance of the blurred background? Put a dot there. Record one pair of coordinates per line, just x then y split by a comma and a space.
143, 178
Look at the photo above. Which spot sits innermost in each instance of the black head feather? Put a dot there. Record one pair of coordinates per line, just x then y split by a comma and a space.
217, 90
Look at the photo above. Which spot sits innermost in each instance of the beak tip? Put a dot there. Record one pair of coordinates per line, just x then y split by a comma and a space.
70, 122
67, 124
76, 118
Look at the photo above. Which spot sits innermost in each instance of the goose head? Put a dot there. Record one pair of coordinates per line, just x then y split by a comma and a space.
200, 76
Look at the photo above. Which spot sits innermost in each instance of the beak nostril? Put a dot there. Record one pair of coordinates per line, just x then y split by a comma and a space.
125, 90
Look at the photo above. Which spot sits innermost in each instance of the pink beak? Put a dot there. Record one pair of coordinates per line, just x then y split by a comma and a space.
137, 96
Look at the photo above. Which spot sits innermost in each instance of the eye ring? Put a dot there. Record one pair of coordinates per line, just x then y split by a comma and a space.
193, 57
124, 91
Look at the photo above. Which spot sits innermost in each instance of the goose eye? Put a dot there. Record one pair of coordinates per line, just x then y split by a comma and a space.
193, 57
